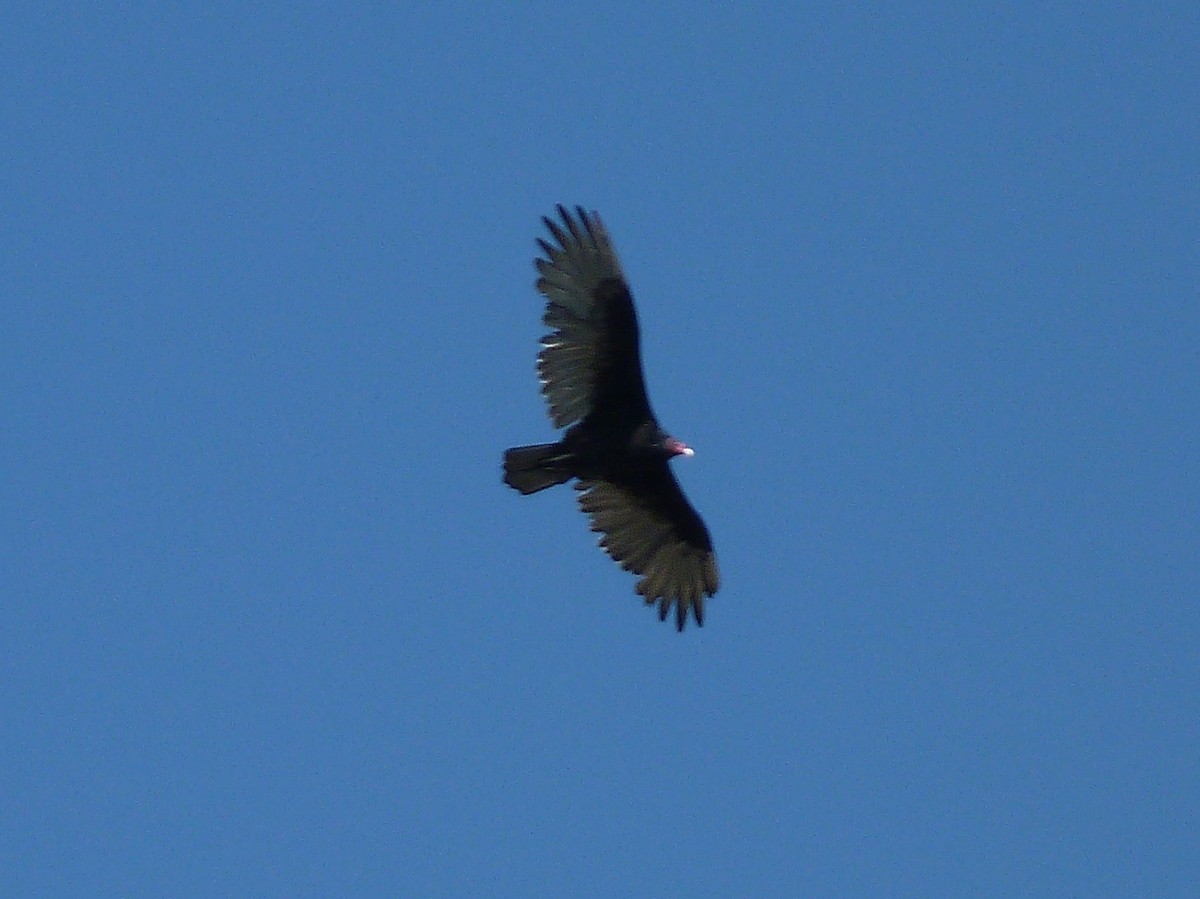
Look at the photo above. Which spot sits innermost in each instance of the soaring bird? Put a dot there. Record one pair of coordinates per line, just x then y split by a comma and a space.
590, 369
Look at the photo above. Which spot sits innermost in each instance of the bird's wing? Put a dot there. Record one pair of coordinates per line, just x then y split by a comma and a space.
651, 529
590, 361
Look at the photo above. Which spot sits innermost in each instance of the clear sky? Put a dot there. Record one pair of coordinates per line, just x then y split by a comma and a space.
920, 284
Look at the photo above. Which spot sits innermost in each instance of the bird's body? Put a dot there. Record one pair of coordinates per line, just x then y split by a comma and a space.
591, 373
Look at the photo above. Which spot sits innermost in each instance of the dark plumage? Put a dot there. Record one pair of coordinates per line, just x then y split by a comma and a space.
591, 373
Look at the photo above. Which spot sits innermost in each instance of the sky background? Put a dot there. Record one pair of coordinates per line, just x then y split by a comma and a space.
920, 284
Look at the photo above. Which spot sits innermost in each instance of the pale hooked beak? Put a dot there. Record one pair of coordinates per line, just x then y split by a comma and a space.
679, 448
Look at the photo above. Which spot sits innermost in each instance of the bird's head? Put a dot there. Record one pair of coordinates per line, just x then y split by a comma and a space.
652, 439
675, 447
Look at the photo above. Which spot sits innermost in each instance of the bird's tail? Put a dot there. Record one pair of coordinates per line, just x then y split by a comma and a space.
533, 468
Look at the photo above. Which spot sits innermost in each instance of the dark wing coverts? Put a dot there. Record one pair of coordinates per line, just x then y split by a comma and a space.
590, 361
651, 529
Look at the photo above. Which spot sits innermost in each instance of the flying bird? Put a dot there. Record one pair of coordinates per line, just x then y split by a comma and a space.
590, 369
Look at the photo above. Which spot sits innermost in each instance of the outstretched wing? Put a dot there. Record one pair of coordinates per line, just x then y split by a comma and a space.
651, 529
590, 361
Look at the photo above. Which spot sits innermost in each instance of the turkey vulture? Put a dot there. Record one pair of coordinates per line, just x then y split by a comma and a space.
590, 369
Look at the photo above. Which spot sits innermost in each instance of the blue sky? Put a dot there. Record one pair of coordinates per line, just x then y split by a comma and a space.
920, 284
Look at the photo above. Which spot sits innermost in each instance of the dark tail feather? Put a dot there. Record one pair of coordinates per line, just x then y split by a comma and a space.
533, 468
